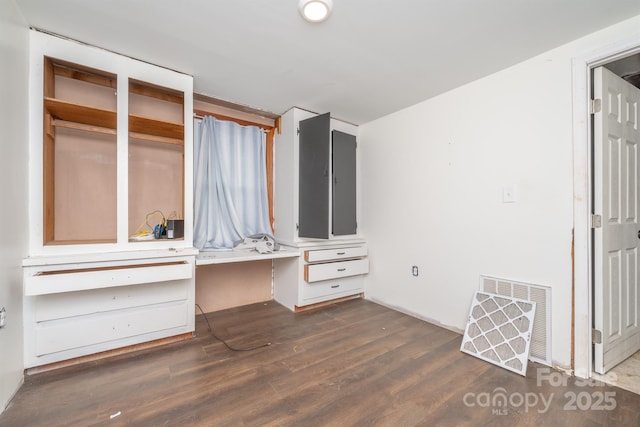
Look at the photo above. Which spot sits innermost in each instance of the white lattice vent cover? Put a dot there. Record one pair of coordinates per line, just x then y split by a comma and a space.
540, 350
499, 330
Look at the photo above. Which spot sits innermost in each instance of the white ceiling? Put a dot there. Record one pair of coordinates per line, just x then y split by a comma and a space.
371, 58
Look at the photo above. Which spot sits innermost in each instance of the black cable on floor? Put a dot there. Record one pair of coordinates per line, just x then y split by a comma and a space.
223, 341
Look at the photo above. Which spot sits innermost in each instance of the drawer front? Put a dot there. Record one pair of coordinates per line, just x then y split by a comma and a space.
334, 270
335, 254
72, 333
329, 289
80, 303
49, 282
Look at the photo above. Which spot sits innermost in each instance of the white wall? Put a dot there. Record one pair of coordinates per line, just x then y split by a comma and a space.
14, 43
433, 176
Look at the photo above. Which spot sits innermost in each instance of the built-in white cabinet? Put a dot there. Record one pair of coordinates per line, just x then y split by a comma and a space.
111, 156
316, 210
80, 305
111, 150
322, 273
315, 185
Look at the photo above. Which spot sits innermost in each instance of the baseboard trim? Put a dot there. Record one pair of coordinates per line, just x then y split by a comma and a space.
418, 316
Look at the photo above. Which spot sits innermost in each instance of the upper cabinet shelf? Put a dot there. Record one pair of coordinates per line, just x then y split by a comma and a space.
72, 112
153, 127
139, 127
155, 113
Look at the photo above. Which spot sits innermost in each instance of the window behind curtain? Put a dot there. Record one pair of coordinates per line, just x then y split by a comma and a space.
230, 183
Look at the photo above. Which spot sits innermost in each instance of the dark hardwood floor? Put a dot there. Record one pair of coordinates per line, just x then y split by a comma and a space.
355, 363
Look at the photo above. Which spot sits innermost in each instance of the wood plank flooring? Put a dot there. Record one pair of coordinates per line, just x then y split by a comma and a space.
355, 363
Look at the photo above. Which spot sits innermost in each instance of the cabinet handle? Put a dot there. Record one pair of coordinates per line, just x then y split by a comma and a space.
335, 286
341, 269
340, 253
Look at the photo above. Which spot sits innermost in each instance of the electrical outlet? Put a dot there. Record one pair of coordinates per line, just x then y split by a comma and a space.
509, 193
3, 317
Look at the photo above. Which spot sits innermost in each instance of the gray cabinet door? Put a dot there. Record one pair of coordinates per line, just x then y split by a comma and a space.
313, 192
344, 183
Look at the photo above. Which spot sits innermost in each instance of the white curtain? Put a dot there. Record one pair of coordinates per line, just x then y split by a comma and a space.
230, 183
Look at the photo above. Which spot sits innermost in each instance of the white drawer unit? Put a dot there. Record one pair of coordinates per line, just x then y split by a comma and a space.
73, 309
325, 272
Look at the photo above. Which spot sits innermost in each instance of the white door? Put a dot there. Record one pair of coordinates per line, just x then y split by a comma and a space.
616, 258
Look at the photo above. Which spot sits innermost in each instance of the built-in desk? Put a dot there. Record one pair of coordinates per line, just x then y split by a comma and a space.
81, 305
226, 279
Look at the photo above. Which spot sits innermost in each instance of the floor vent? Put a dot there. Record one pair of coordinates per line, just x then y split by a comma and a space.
540, 347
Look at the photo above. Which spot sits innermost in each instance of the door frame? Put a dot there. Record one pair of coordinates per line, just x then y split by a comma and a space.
582, 357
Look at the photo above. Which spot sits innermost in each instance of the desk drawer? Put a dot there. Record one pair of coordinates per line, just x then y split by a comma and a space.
330, 289
335, 254
334, 270
82, 331
80, 279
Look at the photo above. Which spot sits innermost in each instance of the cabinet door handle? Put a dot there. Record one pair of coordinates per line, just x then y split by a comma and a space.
335, 286
340, 253
341, 269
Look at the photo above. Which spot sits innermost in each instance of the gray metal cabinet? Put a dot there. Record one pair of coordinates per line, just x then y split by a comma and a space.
343, 161
313, 196
315, 210
327, 180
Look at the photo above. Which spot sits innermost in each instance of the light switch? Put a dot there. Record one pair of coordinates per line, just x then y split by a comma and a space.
509, 194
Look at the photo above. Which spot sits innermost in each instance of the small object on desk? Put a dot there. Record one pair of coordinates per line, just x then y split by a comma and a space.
160, 231
261, 243
175, 228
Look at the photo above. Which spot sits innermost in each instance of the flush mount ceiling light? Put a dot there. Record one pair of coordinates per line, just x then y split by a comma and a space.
315, 10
